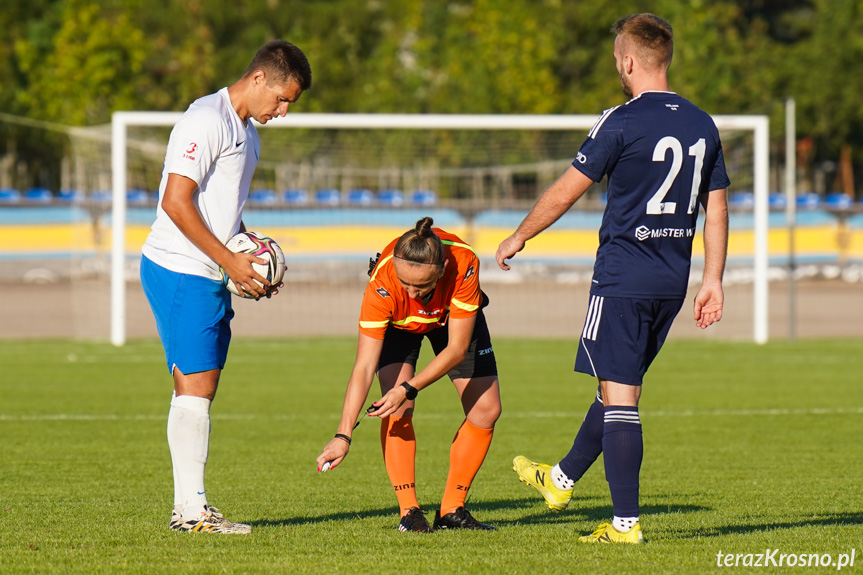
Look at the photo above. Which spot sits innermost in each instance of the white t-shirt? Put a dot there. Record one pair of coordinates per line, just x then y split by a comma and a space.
210, 145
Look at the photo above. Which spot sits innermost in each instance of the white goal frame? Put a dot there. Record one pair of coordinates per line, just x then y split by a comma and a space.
120, 122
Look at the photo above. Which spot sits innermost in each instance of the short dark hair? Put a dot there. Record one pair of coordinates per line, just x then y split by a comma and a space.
420, 245
282, 62
652, 36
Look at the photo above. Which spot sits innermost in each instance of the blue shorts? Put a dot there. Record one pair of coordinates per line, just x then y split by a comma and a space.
193, 316
622, 336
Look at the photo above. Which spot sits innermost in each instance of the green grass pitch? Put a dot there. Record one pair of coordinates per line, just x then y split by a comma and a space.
747, 449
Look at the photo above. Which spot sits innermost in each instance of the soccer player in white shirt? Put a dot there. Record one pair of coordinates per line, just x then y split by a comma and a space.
210, 160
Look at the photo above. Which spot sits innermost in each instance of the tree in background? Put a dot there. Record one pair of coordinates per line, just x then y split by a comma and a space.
76, 61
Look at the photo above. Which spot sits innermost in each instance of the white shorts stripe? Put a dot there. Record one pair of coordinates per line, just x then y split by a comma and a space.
598, 317
594, 314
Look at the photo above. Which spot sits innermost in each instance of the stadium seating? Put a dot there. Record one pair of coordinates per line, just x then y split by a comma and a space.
744, 200
69, 196
138, 197
838, 200
262, 197
808, 201
328, 197
393, 198
101, 196
777, 200
360, 197
423, 198
295, 197
10, 196
38, 196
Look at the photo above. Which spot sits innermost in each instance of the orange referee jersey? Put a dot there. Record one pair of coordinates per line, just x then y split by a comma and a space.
457, 293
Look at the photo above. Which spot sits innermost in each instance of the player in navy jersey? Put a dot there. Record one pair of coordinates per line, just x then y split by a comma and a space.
662, 157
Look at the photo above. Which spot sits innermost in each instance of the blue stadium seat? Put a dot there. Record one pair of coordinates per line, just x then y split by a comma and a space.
424, 198
101, 196
262, 197
808, 201
70, 196
744, 200
328, 197
777, 200
393, 198
361, 197
295, 197
138, 197
10, 196
838, 200
38, 196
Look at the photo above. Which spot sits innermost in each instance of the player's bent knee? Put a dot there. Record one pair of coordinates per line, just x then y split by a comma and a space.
484, 414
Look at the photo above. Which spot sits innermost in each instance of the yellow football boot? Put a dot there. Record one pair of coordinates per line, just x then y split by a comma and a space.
538, 476
606, 533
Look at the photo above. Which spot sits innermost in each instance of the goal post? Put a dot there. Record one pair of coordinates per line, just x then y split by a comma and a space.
758, 126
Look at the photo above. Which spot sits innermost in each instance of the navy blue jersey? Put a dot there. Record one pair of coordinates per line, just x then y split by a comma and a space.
660, 153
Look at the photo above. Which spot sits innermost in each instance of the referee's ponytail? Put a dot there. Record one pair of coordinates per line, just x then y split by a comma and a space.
420, 245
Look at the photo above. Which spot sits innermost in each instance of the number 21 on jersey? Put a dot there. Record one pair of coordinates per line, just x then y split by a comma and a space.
656, 205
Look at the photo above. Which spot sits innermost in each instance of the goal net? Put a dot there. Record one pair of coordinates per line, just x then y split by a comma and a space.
333, 190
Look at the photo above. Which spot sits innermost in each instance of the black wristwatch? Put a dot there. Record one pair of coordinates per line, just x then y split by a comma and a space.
411, 390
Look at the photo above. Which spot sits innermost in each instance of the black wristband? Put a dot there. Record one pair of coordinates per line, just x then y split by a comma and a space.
411, 391
343, 437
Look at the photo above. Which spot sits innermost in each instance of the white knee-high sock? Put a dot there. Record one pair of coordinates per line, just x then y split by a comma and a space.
189, 439
178, 497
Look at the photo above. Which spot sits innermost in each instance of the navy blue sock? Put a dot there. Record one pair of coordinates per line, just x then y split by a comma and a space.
588, 442
623, 451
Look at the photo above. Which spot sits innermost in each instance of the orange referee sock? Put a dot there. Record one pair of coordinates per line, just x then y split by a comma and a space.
399, 445
466, 455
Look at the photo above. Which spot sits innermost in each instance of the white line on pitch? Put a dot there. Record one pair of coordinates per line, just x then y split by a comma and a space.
506, 415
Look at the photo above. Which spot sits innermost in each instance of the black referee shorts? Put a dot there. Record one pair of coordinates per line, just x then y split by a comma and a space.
404, 347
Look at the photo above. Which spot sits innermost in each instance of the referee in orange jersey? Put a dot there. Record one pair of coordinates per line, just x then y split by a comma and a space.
425, 284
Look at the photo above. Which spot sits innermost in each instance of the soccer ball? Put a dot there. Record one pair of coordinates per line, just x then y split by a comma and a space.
261, 246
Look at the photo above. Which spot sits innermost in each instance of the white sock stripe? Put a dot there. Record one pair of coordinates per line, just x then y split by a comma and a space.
622, 417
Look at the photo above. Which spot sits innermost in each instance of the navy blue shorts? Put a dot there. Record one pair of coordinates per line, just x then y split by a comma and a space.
622, 336
402, 346
193, 315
